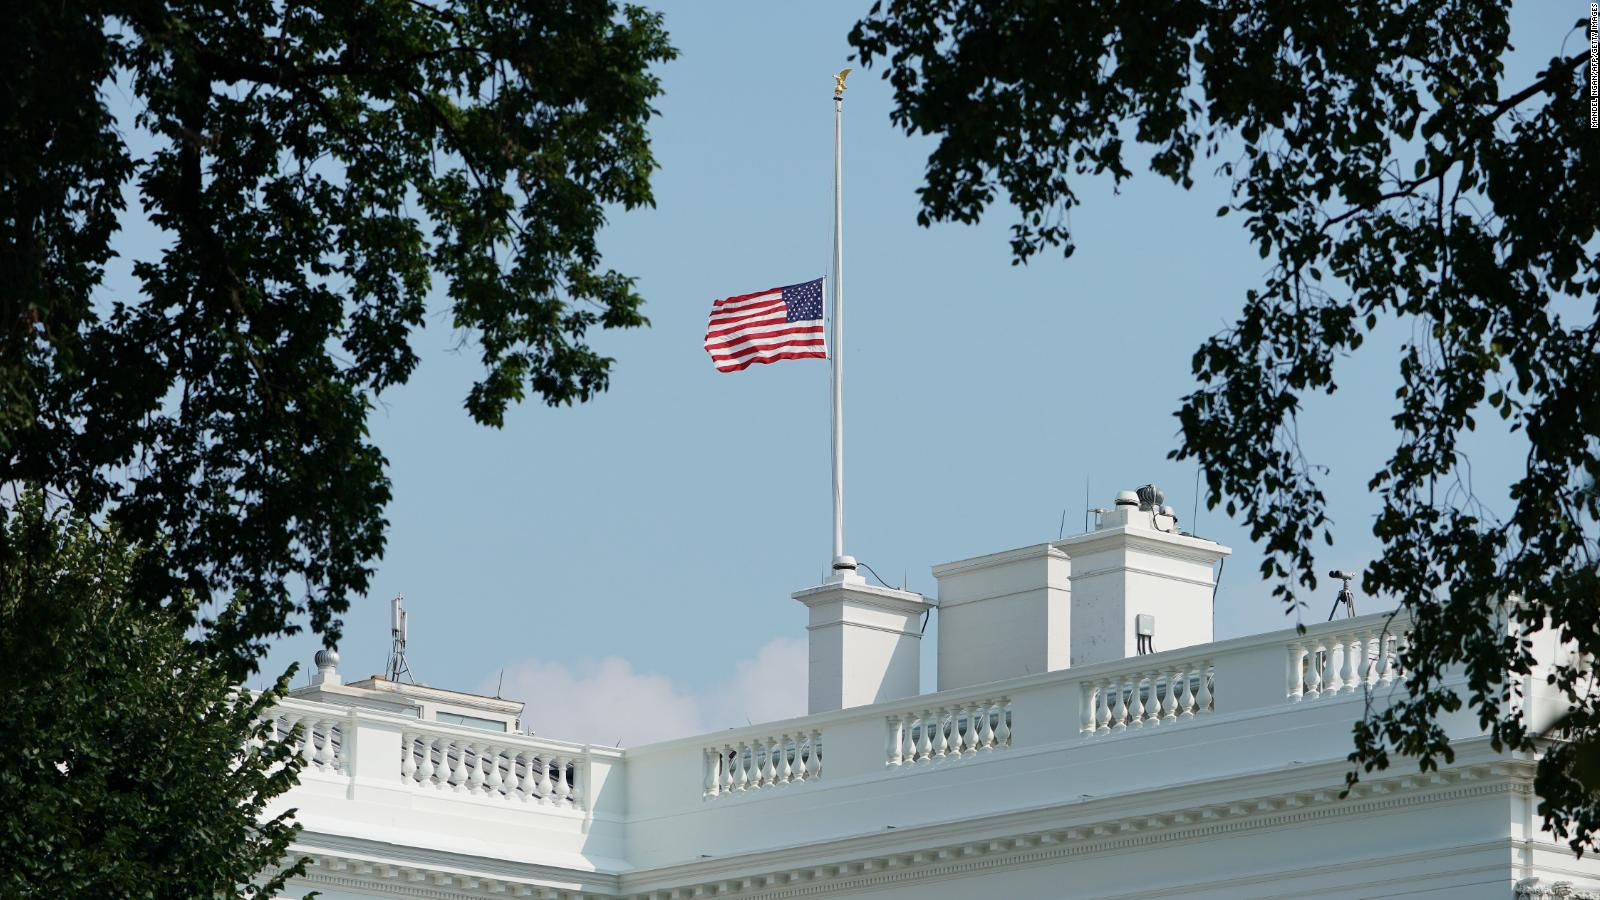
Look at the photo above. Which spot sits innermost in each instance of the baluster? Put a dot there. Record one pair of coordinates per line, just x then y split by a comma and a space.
1103, 709
473, 769
1119, 710
985, 726
1385, 670
1297, 663
774, 747
708, 759
1203, 700
540, 783
758, 764
1366, 663
562, 787
1002, 728
1347, 665
964, 729
1086, 710
408, 762
940, 741
1186, 699
308, 745
324, 754
1136, 703
425, 763
925, 737
816, 747
492, 785
539, 773
1328, 669
444, 771
723, 770
1169, 709
453, 759
456, 761
1313, 671
896, 739
801, 770
522, 775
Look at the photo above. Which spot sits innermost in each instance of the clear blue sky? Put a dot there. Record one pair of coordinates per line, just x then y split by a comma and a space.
663, 526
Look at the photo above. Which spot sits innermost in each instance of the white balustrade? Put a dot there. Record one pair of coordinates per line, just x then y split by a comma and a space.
317, 737
1148, 696
496, 768
762, 762
949, 731
1337, 663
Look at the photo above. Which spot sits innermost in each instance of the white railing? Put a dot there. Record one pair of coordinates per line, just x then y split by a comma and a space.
494, 767
762, 762
1148, 697
319, 740
951, 731
436, 764
1343, 662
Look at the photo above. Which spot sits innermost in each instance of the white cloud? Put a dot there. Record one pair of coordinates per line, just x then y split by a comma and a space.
605, 701
768, 687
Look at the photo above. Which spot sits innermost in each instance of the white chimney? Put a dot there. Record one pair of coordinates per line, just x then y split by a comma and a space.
866, 643
1135, 564
1004, 615
1077, 601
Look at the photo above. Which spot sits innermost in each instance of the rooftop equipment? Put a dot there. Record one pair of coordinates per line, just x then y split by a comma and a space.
397, 648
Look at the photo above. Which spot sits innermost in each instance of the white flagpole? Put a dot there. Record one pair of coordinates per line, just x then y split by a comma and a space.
843, 566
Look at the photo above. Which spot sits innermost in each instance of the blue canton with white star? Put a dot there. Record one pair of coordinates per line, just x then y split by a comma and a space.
803, 301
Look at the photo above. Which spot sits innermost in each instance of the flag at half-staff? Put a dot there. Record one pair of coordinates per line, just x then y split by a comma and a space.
764, 327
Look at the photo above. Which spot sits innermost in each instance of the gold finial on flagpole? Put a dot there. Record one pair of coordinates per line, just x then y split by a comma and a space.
838, 82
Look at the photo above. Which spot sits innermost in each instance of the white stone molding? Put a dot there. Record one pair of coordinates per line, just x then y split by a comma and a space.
748, 877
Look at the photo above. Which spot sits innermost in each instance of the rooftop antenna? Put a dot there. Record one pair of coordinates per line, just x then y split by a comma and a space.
1194, 518
397, 634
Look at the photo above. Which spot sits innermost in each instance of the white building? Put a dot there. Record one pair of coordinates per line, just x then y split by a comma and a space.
1088, 739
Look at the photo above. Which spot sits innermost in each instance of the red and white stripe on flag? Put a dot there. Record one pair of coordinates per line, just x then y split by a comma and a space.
764, 327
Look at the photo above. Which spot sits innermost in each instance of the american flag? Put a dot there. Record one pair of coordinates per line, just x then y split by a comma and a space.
764, 327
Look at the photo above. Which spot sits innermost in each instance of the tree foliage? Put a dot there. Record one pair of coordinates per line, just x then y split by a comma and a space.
311, 170
1390, 172
129, 765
